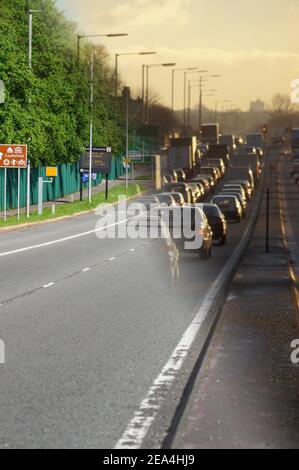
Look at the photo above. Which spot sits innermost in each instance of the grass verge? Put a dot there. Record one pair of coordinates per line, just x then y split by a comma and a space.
72, 208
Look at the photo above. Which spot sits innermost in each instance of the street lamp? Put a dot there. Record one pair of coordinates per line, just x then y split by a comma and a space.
111, 35
188, 69
31, 12
200, 94
185, 91
127, 54
147, 67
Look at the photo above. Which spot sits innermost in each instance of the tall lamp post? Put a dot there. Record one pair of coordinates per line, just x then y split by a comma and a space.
185, 91
30, 21
147, 67
127, 54
80, 37
188, 69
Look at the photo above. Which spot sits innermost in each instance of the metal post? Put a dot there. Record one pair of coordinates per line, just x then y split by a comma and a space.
30, 42
5, 196
143, 94
28, 190
107, 187
189, 106
91, 126
147, 97
268, 221
81, 186
40, 196
19, 187
172, 102
127, 137
200, 104
185, 84
116, 74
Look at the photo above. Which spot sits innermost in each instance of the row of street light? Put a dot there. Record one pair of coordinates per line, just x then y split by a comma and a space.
188, 85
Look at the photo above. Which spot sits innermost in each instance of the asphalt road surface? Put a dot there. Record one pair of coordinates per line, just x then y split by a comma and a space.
88, 324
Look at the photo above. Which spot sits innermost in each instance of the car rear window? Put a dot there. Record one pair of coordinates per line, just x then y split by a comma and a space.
224, 202
211, 211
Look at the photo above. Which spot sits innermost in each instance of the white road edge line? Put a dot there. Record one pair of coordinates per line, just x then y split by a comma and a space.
49, 285
61, 240
139, 426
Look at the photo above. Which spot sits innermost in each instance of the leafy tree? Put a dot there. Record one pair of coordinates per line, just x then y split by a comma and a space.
51, 102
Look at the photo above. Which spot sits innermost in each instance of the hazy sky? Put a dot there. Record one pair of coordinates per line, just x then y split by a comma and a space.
253, 44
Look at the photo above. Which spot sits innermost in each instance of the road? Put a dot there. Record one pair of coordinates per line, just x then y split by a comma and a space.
88, 325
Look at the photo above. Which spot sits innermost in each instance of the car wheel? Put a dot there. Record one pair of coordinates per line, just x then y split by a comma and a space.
222, 240
204, 255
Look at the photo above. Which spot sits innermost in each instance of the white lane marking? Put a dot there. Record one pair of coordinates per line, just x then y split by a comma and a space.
86, 270
49, 285
143, 418
61, 240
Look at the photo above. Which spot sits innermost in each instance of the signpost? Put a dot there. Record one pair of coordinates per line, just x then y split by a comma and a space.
101, 162
15, 157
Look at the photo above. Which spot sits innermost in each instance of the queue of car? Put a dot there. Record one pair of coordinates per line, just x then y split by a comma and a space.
210, 200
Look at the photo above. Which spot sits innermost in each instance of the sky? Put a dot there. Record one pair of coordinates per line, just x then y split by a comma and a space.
253, 45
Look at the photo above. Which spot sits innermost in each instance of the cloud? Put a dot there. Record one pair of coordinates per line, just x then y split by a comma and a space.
136, 14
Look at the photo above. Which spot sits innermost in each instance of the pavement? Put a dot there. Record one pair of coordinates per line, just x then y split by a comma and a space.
246, 392
88, 324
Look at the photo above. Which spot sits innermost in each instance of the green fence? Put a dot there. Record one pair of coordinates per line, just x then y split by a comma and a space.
67, 182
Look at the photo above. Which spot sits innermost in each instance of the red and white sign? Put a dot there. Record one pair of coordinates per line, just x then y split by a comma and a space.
13, 156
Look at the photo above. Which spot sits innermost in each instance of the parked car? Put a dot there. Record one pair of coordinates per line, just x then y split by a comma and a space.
245, 149
189, 229
207, 170
147, 201
181, 175
236, 186
178, 197
229, 206
217, 222
179, 188
166, 199
239, 196
204, 181
245, 185
207, 178
196, 190
218, 163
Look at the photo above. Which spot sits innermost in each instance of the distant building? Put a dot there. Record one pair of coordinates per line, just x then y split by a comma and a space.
257, 106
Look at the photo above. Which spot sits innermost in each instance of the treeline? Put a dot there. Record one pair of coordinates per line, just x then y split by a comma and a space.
49, 105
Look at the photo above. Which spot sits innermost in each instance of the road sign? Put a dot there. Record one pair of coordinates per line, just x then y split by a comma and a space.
101, 160
13, 156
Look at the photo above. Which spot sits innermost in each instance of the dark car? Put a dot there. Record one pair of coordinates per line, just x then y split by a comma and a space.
181, 175
207, 170
245, 185
229, 206
178, 197
204, 181
165, 199
217, 222
239, 196
218, 163
179, 188
189, 229
207, 177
